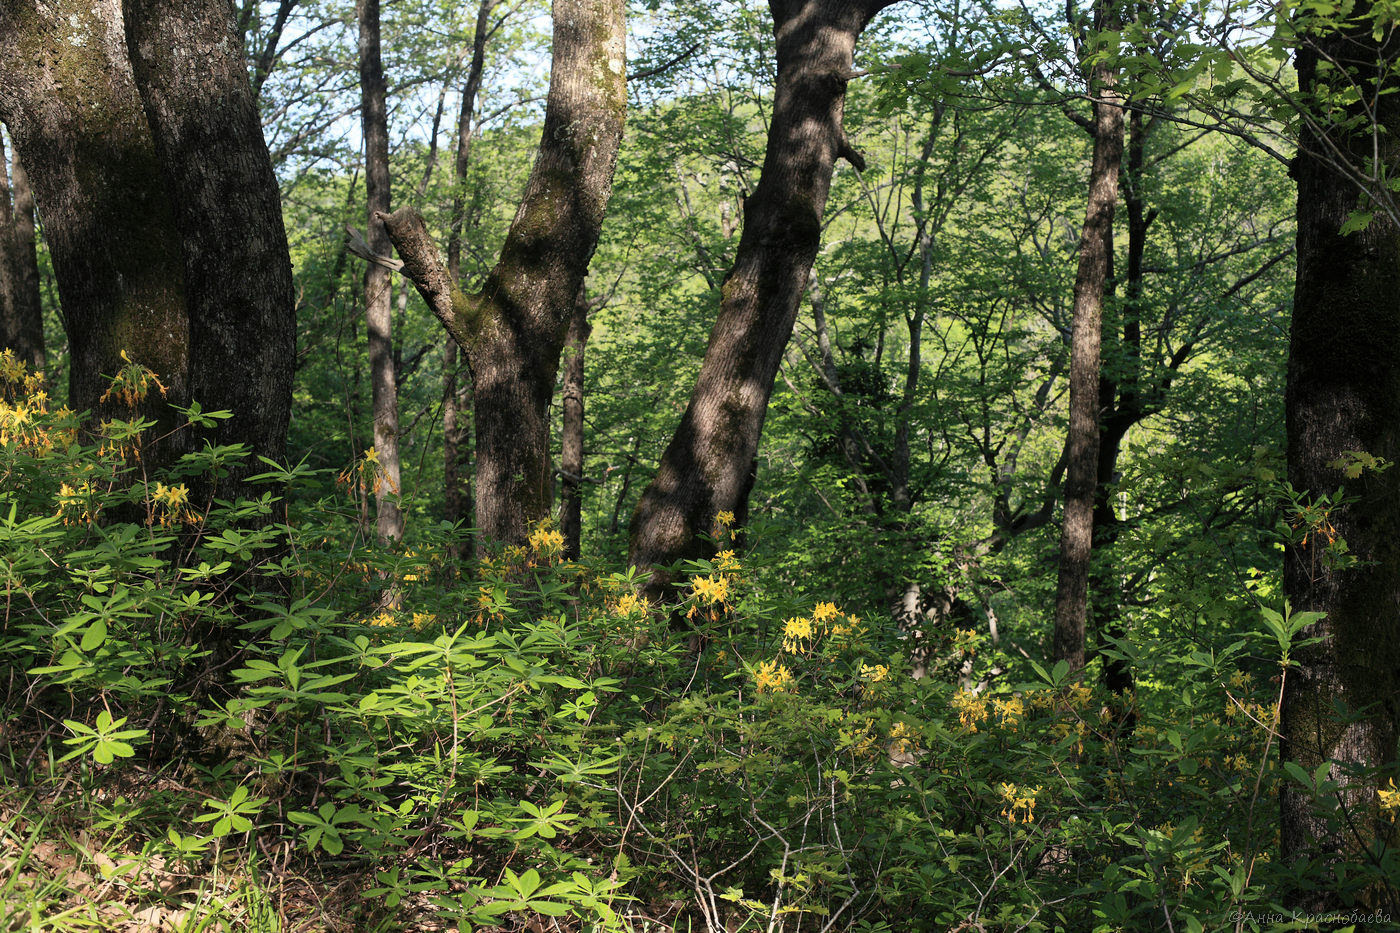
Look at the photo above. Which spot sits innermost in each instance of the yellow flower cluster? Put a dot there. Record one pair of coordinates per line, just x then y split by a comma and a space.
628, 605
971, 708
366, 475
724, 519
796, 632
1389, 799
422, 620
1020, 803
546, 542
726, 561
22, 402
170, 505
1009, 711
901, 738
771, 677
709, 595
874, 673
132, 384
78, 505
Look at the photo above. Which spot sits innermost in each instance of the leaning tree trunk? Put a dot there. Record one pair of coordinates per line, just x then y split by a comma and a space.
1082, 443
28, 305
378, 306
708, 466
1344, 395
513, 330
70, 102
203, 118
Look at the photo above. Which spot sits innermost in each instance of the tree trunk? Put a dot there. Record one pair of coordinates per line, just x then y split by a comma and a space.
1344, 395
708, 466
68, 97
1082, 445
378, 300
9, 266
1121, 406
571, 448
513, 330
204, 121
28, 304
455, 434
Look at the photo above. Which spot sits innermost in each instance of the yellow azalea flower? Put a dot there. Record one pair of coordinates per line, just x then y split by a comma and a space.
1009, 711
627, 604
1389, 798
771, 677
725, 560
710, 589
825, 611
724, 519
971, 708
902, 738
795, 631
546, 541
383, 620
874, 672
422, 620
1020, 803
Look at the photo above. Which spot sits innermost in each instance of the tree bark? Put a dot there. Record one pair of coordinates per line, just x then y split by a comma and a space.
9, 266
513, 330
378, 304
28, 303
69, 99
455, 411
1082, 446
571, 447
708, 466
1344, 395
203, 119
1121, 406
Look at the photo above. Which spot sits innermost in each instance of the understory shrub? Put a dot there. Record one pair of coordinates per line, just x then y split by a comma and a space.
248, 715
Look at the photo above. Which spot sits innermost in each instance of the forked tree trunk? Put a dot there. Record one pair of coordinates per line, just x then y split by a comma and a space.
1344, 395
204, 121
1082, 445
70, 102
378, 304
708, 466
513, 330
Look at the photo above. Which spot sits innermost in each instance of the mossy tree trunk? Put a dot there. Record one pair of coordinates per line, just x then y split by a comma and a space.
1344, 395
160, 209
69, 99
513, 329
374, 122
708, 466
203, 120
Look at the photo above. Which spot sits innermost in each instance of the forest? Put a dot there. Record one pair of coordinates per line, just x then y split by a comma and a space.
683, 465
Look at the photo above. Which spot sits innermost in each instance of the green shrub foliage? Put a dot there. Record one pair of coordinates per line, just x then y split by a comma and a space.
247, 712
